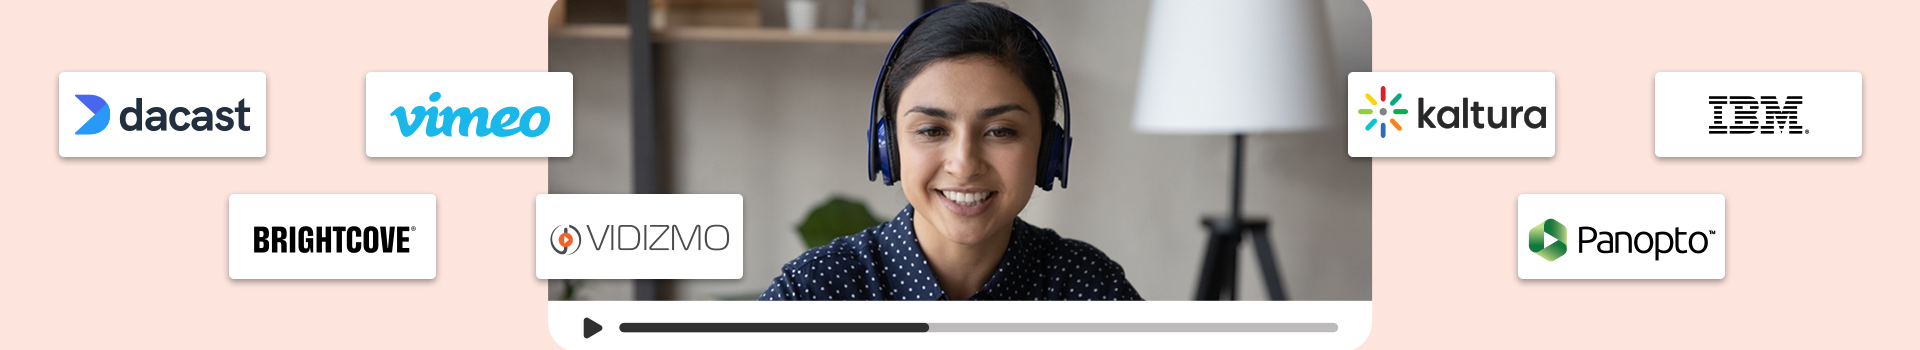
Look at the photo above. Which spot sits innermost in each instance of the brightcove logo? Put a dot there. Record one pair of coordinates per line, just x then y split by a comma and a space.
1498, 115
162, 114
1622, 236
486, 114
639, 236
331, 236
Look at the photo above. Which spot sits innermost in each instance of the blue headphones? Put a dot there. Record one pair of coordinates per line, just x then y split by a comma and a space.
1056, 141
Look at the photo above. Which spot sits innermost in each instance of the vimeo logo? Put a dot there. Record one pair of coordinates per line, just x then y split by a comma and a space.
1536, 239
508, 121
100, 116
483, 114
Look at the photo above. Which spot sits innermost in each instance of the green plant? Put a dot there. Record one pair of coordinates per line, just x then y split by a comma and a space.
839, 216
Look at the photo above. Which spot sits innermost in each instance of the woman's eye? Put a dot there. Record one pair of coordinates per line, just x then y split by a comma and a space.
931, 131
1002, 132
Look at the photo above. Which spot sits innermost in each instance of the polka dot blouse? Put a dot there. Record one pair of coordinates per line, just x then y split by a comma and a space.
884, 263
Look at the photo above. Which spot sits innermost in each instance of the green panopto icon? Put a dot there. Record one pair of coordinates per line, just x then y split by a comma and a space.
1537, 243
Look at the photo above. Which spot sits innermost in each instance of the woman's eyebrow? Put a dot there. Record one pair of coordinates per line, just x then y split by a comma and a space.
929, 111
990, 112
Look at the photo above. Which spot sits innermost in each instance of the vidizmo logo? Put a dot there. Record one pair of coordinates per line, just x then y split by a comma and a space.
565, 239
1536, 240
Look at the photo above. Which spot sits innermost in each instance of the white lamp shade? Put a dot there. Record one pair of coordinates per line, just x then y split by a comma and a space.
1235, 66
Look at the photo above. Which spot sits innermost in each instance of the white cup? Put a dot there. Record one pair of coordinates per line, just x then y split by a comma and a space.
802, 15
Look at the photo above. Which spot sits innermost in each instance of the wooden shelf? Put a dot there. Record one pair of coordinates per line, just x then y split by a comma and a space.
774, 35
732, 34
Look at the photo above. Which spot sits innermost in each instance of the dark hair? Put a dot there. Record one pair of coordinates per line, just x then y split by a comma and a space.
973, 29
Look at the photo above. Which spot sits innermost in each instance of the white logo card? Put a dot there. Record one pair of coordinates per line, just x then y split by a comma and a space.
639, 236
332, 236
1450, 114
1622, 236
163, 114
469, 114
1757, 114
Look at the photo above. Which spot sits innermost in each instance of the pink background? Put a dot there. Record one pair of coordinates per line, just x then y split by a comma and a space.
129, 252
1815, 254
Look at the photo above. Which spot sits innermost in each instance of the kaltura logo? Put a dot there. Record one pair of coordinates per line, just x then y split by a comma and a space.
1471, 114
472, 121
1657, 243
1381, 112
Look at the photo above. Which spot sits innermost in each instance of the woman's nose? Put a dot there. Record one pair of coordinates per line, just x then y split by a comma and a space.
963, 159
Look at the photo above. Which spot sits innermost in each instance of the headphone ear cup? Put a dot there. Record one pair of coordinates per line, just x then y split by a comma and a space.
1048, 168
889, 153
885, 148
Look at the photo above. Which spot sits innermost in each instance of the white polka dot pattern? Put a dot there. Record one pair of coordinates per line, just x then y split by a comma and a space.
884, 263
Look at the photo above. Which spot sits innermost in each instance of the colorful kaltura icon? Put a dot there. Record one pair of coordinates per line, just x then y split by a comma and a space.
472, 121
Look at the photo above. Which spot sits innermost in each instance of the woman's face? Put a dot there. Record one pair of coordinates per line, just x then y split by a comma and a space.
969, 135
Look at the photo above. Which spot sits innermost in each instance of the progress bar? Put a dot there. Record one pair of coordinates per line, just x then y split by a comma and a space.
1135, 327
592, 327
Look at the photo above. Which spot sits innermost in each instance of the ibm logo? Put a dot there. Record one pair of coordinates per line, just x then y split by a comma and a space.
1765, 115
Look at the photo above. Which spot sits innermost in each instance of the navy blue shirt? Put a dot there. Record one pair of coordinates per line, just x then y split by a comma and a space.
884, 263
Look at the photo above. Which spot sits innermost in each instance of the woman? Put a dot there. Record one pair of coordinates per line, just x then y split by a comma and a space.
968, 109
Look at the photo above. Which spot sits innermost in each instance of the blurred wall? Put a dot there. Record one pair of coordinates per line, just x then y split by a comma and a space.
782, 124
602, 160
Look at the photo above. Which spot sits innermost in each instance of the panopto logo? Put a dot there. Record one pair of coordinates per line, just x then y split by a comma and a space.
1622, 236
1536, 240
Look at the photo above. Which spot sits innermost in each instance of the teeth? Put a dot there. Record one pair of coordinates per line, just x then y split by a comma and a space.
963, 198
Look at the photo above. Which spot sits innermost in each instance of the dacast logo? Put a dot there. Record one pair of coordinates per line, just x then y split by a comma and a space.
570, 239
1382, 111
1657, 243
99, 120
162, 118
473, 121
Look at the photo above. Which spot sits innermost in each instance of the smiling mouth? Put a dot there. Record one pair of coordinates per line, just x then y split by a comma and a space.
967, 199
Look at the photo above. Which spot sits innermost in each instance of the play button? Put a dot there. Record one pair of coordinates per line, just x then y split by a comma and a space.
590, 326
